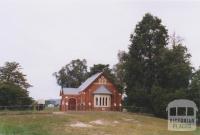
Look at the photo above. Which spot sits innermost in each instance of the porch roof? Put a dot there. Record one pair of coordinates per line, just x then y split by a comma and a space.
71, 91
102, 90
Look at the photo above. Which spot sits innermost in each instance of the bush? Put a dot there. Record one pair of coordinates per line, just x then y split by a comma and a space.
13, 97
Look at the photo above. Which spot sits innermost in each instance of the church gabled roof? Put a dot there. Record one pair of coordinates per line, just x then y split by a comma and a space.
83, 86
89, 81
102, 90
71, 91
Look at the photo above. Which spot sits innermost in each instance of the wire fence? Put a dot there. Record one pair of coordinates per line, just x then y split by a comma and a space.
22, 107
16, 107
42, 108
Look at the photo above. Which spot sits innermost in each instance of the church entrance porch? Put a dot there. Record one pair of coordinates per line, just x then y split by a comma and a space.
72, 104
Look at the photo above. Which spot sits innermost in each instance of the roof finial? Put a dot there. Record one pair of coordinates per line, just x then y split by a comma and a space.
104, 69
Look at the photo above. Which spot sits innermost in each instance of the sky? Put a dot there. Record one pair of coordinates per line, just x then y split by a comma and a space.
44, 35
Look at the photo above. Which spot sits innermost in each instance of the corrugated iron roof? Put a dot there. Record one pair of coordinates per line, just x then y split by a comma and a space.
102, 90
83, 86
71, 91
89, 81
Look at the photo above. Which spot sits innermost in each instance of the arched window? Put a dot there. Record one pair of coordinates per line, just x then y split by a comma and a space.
103, 101
100, 101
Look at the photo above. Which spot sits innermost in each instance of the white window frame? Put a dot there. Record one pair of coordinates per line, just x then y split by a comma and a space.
103, 100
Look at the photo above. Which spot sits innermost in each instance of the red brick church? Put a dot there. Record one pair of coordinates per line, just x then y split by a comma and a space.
97, 93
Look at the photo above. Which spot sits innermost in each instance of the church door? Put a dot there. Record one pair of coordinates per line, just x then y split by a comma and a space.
72, 104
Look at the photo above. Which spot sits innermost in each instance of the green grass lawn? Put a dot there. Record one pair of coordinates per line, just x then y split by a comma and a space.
114, 123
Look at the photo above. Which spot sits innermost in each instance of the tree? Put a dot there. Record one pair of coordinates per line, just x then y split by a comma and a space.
160, 97
175, 69
147, 42
194, 90
13, 87
10, 73
155, 74
72, 74
14, 97
118, 69
96, 68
